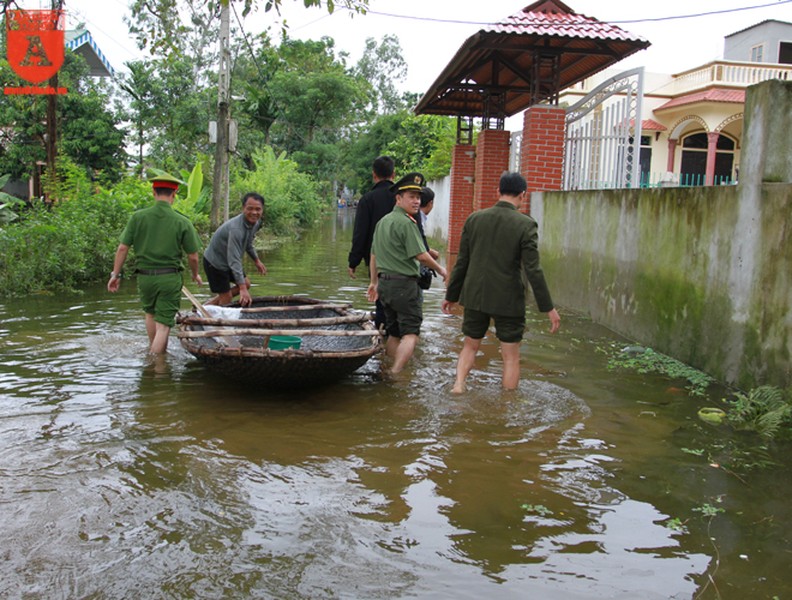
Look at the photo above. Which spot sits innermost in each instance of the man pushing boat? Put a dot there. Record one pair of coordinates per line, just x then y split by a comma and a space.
222, 259
159, 236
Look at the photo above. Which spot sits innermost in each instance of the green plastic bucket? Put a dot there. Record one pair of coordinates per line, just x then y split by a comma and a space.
284, 342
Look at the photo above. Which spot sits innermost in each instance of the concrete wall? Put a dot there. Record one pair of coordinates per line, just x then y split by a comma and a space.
702, 274
437, 224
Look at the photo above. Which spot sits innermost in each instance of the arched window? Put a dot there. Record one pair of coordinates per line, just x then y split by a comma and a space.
694, 159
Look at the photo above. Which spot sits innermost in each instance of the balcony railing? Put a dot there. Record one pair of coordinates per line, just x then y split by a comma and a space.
723, 73
727, 73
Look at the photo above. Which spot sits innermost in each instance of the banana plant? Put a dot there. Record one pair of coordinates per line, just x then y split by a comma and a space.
197, 195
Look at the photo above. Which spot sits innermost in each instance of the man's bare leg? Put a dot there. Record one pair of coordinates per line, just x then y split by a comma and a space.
151, 328
222, 298
511, 365
467, 358
404, 352
159, 344
392, 346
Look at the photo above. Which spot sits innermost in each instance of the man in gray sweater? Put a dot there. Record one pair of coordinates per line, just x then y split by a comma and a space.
222, 259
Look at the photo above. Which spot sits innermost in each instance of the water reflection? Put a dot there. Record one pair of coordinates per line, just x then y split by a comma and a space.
123, 477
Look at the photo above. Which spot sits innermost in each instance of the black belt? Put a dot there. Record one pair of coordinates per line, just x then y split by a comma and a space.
156, 271
395, 276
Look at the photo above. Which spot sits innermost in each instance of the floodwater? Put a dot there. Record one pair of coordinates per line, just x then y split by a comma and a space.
120, 478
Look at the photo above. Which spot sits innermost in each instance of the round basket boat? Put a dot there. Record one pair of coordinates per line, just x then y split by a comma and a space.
247, 344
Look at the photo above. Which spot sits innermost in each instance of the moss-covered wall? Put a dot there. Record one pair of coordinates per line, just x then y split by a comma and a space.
702, 274
768, 119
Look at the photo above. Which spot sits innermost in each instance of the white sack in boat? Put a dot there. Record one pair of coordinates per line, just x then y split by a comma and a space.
224, 312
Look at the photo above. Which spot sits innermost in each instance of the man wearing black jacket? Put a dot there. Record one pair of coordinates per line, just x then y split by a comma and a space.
375, 204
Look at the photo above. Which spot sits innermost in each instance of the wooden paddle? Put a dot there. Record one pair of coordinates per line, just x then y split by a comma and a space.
196, 303
229, 341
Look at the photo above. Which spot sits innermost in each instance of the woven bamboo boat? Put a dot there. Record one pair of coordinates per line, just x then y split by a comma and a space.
334, 341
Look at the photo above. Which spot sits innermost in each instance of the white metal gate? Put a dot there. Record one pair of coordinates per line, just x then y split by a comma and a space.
603, 135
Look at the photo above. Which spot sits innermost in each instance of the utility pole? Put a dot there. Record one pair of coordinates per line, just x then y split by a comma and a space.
51, 143
220, 183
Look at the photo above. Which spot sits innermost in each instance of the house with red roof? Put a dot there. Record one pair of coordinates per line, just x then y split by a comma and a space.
692, 122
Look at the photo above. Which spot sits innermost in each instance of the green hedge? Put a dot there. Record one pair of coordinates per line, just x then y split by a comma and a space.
61, 247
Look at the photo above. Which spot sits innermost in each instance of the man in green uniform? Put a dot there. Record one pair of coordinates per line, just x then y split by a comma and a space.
497, 245
159, 235
397, 252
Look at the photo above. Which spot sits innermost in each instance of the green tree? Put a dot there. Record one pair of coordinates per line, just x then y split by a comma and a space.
291, 198
424, 143
314, 106
368, 145
256, 65
88, 131
162, 25
383, 66
169, 109
90, 134
300, 97
417, 143
320, 102
141, 91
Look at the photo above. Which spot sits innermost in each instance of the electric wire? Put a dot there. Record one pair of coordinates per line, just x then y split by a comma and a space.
614, 22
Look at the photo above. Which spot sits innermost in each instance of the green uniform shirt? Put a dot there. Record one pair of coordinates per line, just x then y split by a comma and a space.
159, 235
397, 241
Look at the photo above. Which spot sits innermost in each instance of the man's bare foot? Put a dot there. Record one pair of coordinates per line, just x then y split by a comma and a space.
459, 388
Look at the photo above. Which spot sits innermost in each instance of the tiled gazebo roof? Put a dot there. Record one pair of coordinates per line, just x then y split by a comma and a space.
525, 59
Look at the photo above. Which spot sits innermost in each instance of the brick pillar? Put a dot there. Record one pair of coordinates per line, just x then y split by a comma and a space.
542, 152
463, 162
492, 159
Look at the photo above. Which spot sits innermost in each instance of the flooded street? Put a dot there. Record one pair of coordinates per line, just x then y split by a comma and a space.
122, 480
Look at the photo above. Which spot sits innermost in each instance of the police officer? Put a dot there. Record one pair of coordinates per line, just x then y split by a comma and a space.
159, 236
397, 252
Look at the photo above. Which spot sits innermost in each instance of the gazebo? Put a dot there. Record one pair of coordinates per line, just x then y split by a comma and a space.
519, 64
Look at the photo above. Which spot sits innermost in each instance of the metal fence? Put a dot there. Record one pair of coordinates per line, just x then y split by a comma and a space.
603, 132
652, 180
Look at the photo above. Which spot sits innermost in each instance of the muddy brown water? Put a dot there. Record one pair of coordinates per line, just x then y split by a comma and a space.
120, 478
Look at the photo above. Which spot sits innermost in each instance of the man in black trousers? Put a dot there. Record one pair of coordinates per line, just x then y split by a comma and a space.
375, 204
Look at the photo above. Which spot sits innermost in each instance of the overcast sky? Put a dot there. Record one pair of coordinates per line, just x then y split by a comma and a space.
431, 31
